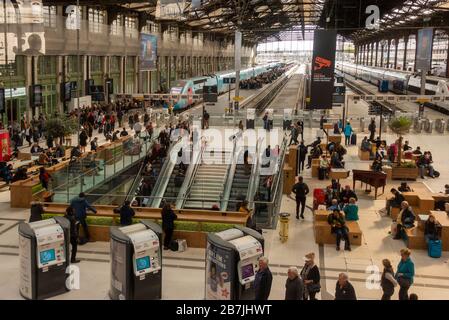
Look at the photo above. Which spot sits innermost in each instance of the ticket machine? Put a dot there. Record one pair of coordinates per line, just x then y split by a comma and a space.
232, 260
136, 262
44, 257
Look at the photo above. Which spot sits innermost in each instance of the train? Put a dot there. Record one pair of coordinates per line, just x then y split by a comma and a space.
195, 85
399, 82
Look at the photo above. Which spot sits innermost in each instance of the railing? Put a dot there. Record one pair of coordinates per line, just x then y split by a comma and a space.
89, 172
184, 192
164, 175
253, 183
230, 176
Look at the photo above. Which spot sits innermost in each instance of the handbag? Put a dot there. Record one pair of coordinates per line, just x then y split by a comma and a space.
314, 287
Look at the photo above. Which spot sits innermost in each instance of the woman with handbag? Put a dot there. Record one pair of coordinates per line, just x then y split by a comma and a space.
405, 273
387, 281
310, 274
405, 220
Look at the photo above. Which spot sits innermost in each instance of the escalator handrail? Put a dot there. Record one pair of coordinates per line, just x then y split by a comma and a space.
230, 176
184, 192
254, 179
157, 194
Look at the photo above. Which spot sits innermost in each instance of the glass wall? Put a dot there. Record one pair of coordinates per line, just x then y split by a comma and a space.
47, 77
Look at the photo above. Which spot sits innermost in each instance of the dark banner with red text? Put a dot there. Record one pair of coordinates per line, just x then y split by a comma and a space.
323, 65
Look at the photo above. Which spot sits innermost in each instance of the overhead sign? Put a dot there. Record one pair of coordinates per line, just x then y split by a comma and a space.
424, 49
322, 80
210, 94
399, 99
15, 92
238, 99
228, 80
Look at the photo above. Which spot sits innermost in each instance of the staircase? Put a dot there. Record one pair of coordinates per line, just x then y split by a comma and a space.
209, 181
172, 190
239, 187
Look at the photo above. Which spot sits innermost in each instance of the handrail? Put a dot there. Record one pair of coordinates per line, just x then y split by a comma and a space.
230, 175
162, 180
254, 178
190, 175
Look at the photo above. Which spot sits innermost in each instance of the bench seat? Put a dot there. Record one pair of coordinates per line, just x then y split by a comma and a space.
323, 235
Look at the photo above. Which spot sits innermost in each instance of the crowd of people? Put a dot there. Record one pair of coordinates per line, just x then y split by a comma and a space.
258, 81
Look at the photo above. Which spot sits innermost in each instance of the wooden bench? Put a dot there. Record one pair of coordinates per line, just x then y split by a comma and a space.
335, 138
364, 155
422, 203
315, 167
338, 174
323, 235
414, 238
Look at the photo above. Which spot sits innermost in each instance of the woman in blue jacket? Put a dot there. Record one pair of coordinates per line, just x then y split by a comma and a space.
405, 274
348, 132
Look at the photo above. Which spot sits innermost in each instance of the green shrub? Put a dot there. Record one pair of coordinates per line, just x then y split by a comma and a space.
179, 225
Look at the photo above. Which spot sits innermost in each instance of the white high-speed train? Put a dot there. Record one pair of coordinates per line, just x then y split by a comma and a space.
399, 82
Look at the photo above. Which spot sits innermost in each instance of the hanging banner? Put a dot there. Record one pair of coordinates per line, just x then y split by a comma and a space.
322, 81
424, 49
148, 52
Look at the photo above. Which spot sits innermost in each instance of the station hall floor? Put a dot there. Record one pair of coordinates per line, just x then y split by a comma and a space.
183, 273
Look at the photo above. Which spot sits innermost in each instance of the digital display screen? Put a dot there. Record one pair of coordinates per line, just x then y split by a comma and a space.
2, 100
176, 90
143, 263
247, 271
36, 95
47, 256
67, 91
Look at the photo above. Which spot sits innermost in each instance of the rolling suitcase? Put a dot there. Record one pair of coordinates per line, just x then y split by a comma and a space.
434, 248
354, 139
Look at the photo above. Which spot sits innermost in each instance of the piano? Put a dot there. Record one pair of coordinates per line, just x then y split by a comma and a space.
375, 179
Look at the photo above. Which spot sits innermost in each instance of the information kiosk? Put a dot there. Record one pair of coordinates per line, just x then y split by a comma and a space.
44, 257
232, 260
136, 262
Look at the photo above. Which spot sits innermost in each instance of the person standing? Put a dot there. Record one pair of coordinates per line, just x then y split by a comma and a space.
310, 275
302, 154
294, 135
81, 205
344, 289
348, 132
264, 278
294, 286
405, 274
300, 189
372, 129
36, 212
206, 118
94, 144
70, 215
387, 281
168, 224
126, 214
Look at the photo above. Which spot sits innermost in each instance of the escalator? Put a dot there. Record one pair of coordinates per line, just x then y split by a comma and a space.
174, 184
239, 187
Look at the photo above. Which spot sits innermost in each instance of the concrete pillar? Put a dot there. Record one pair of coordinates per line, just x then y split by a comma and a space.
382, 50
138, 83
396, 46
377, 54
371, 54
447, 60
122, 73
404, 63
388, 53
28, 83
61, 64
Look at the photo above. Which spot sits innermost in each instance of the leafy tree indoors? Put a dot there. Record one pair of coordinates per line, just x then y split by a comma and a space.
400, 126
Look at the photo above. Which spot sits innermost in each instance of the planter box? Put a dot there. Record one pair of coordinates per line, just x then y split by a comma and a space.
194, 239
364, 155
404, 173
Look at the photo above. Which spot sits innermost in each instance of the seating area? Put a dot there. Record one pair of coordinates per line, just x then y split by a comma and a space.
322, 230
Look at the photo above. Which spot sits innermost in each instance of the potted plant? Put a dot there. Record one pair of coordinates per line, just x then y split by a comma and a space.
400, 126
61, 127
407, 170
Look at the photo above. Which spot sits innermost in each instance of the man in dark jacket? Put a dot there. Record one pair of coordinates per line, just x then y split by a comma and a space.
302, 154
344, 289
347, 194
70, 215
264, 278
126, 214
300, 189
394, 202
294, 286
168, 224
36, 212
80, 205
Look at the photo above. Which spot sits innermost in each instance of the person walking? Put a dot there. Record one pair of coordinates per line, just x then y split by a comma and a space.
168, 224
294, 286
372, 129
405, 274
126, 214
263, 281
302, 155
344, 289
310, 275
81, 205
301, 190
70, 215
387, 281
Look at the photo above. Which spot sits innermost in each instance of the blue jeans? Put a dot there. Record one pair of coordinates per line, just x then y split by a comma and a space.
423, 169
342, 232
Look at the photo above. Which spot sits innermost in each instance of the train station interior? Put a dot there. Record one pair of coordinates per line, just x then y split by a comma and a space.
224, 150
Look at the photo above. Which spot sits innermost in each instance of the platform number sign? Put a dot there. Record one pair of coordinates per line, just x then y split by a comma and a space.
228, 80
